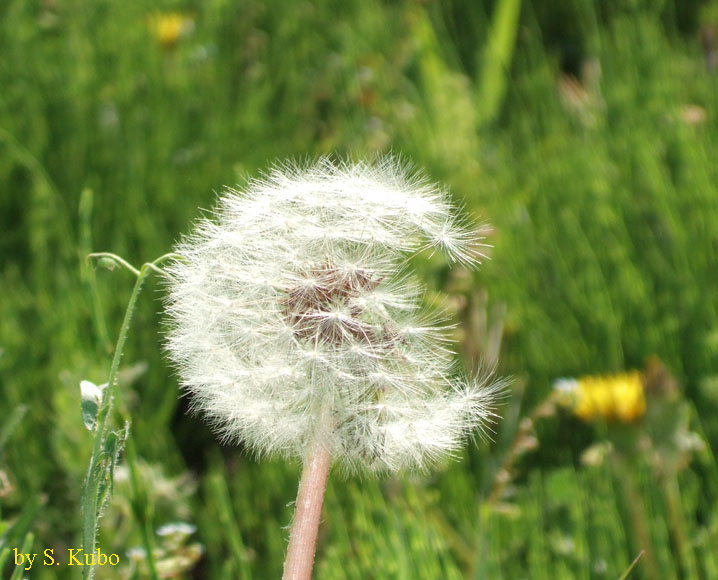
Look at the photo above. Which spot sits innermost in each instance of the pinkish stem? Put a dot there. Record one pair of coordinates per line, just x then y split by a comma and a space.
307, 513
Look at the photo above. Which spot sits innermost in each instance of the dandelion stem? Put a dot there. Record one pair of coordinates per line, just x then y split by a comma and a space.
305, 527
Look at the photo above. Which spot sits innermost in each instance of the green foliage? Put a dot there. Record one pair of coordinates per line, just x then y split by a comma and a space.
584, 132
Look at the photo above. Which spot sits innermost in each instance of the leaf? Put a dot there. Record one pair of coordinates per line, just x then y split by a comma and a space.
13, 533
119, 445
4, 553
26, 549
112, 447
11, 423
496, 61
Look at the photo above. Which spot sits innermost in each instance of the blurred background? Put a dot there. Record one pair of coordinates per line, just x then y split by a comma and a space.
585, 132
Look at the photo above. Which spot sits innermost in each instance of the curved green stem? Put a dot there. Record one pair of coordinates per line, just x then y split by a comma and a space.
99, 473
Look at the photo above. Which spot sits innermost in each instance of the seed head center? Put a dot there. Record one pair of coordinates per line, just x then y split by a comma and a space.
324, 307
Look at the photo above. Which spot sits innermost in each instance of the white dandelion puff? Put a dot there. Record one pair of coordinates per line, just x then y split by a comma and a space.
295, 319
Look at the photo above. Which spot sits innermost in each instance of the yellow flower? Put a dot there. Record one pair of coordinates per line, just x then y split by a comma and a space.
168, 27
612, 398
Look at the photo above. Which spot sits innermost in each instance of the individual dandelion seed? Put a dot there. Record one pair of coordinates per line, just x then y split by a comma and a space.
297, 328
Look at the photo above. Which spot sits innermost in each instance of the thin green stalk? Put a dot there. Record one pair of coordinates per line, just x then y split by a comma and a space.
91, 489
218, 486
684, 551
25, 157
627, 573
88, 273
99, 472
638, 517
140, 508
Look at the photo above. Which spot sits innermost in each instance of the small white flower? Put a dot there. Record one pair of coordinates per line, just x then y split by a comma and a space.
91, 392
294, 318
91, 400
181, 529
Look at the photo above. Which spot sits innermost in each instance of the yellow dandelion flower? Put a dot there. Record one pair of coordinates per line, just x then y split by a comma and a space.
168, 27
629, 397
612, 398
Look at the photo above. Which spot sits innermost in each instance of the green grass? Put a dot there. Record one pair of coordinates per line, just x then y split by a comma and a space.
564, 126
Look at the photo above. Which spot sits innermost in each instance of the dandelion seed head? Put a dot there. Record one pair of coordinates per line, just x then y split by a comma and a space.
293, 314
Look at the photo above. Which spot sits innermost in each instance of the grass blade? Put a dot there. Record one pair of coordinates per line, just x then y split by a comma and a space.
627, 573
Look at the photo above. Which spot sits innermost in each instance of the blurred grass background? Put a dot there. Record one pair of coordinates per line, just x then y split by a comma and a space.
585, 132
